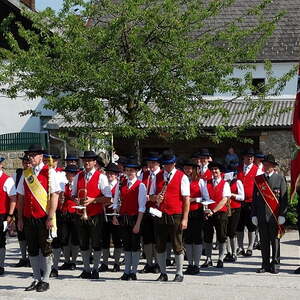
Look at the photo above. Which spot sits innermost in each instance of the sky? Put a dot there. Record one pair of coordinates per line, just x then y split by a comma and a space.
42, 4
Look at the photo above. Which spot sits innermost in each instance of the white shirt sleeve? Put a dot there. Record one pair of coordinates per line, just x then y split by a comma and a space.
9, 187
185, 186
104, 186
226, 190
20, 187
203, 189
116, 197
62, 180
142, 198
241, 193
54, 182
74, 186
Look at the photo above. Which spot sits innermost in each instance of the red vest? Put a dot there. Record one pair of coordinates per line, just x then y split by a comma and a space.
195, 193
4, 199
234, 190
69, 202
130, 199
31, 207
207, 175
248, 181
216, 194
93, 191
148, 182
172, 203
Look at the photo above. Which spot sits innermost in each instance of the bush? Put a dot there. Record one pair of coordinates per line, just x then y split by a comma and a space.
292, 215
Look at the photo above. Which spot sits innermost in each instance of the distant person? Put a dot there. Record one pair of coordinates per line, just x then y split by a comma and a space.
231, 158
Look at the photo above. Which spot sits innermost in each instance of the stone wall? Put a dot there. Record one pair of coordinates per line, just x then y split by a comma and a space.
280, 143
12, 161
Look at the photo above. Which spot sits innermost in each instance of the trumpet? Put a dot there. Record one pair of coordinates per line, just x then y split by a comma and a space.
161, 194
82, 195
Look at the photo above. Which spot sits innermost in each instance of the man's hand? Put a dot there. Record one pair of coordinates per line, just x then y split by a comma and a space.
9, 219
88, 201
115, 220
254, 220
281, 220
183, 224
49, 223
136, 228
208, 212
20, 224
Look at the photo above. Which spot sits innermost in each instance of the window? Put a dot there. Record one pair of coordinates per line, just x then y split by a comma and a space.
258, 86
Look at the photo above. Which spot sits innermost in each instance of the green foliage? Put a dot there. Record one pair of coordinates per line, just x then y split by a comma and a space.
292, 216
140, 66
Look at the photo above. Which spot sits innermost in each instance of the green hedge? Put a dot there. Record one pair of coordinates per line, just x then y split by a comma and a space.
291, 216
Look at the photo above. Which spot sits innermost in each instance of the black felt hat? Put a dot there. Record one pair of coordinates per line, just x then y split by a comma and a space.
271, 159
189, 162
259, 154
216, 164
71, 157
204, 152
35, 148
168, 157
153, 156
112, 167
248, 152
132, 163
89, 155
71, 169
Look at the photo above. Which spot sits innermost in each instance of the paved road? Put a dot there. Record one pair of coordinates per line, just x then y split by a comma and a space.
235, 281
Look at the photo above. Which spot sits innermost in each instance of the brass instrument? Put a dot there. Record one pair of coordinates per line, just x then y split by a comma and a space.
161, 195
82, 195
228, 205
50, 166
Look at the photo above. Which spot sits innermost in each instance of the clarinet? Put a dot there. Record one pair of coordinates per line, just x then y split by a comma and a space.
161, 195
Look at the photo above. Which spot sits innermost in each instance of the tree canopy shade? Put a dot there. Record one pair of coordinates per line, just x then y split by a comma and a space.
135, 67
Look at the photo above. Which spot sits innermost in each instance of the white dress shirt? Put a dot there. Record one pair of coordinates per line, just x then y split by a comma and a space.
247, 168
103, 184
260, 169
203, 189
226, 189
54, 180
9, 185
142, 197
240, 196
185, 183
204, 169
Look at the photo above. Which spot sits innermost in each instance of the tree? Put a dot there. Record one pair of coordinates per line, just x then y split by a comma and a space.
136, 67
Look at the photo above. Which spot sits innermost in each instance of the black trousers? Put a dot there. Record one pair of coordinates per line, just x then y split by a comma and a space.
90, 231
2, 234
131, 241
268, 238
217, 221
246, 218
69, 229
193, 233
111, 231
147, 229
36, 235
20, 234
233, 222
169, 225
56, 243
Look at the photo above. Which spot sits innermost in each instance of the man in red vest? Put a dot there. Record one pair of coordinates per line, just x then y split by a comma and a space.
269, 209
111, 231
205, 157
216, 214
92, 189
246, 174
147, 229
36, 220
69, 221
172, 194
130, 200
7, 207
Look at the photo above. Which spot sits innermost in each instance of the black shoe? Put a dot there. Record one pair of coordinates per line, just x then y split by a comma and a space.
22, 263
233, 258
42, 286
103, 268
156, 269
203, 252
91, 259
162, 277
262, 270
72, 266
228, 257
274, 269
207, 263
126, 277
240, 252
31, 287
178, 278
28, 264
219, 264
65, 266
248, 253
53, 273
133, 276
85, 275
297, 271
195, 270
189, 270
147, 269
1, 271
116, 268
95, 274
257, 246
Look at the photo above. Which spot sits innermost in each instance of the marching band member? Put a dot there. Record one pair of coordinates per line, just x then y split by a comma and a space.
147, 227
111, 231
237, 196
7, 207
91, 187
192, 235
172, 194
246, 173
205, 158
270, 202
71, 160
216, 214
130, 199
36, 214
69, 221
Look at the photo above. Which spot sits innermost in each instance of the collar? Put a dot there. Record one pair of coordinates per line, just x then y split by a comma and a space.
155, 172
90, 172
270, 174
38, 168
1, 172
132, 181
113, 183
217, 180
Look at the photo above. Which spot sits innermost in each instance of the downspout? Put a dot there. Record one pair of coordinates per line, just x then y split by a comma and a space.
62, 141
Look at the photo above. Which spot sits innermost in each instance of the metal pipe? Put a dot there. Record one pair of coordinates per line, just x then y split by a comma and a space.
60, 140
